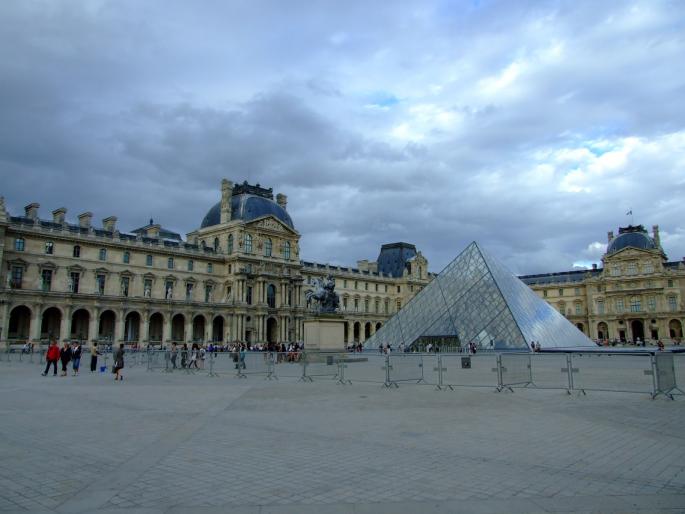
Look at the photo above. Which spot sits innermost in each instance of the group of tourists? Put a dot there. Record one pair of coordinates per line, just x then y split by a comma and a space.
71, 353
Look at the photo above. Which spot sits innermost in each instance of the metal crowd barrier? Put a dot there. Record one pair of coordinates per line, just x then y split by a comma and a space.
403, 367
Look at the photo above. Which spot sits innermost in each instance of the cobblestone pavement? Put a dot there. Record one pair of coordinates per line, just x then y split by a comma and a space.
190, 443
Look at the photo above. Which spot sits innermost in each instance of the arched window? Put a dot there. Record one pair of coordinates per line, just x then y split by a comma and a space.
286, 250
267, 248
103, 254
229, 248
19, 244
127, 257
77, 251
216, 244
271, 296
248, 243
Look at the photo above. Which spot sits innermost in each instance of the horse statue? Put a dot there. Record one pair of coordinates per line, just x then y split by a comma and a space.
324, 295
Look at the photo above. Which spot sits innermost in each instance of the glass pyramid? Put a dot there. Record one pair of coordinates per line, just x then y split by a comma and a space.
475, 299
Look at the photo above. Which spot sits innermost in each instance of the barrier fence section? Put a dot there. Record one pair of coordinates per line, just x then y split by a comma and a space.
364, 367
320, 364
611, 372
514, 370
288, 364
479, 370
403, 367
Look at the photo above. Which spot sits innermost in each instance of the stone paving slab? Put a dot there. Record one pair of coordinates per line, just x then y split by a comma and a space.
176, 443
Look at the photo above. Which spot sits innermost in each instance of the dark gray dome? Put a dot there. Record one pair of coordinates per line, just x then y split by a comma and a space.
631, 239
248, 207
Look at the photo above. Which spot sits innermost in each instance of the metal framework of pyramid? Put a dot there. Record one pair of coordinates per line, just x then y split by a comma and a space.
476, 299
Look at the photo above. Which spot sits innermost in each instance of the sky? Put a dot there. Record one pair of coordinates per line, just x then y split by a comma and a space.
529, 127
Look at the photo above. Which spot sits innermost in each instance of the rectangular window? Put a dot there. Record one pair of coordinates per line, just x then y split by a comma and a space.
356, 284
77, 251
344, 304
576, 291
378, 306
356, 305
648, 268
248, 295
208, 293
100, 284
148, 260
127, 257
46, 280
366, 306
170, 263
17, 277
544, 293
635, 304
190, 265
376, 287
672, 303
386, 306
578, 309
19, 244
366, 286
399, 304
561, 292
615, 271
103, 254
386, 288
631, 269
74, 279
124, 286
670, 283
651, 303
600, 307
49, 247
411, 288
344, 283
210, 267
189, 291
399, 289
619, 305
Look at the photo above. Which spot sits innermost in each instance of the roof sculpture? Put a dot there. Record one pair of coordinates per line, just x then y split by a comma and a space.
478, 300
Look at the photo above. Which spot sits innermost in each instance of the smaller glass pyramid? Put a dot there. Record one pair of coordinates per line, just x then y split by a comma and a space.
475, 299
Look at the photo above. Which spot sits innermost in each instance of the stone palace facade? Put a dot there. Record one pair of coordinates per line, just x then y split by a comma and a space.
636, 294
238, 277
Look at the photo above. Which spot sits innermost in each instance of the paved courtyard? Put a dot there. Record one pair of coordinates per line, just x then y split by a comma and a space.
178, 443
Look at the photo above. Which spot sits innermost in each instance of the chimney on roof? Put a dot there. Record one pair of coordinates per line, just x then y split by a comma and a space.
31, 210
85, 219
153, 231
3, 212
58, 215
282, 200
110, 224
594, 265
655, 236
610, 236
226, 194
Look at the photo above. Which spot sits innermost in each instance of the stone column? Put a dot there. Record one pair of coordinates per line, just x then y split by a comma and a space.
93, 325
36, 322
166, 327
6, 323
65, 324
144, 336
188, 336
119, 326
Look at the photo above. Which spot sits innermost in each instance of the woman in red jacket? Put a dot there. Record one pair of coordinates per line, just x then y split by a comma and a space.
52, 356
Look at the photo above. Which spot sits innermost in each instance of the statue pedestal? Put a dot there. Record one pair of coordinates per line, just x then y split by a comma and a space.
324, 333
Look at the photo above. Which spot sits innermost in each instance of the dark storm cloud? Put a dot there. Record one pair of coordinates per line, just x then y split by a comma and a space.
530, 127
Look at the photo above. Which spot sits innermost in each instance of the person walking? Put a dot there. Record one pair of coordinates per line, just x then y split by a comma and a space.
76, 351
184, 355
65, 357
193, 356
119, 363
174, 354
94, 352
51, 357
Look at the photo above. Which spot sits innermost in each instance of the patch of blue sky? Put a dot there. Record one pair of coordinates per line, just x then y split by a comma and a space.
382, 99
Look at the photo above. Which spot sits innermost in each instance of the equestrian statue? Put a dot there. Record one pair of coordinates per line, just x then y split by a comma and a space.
324, 294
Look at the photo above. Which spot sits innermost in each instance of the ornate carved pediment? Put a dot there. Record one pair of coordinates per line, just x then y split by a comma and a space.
272, 224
